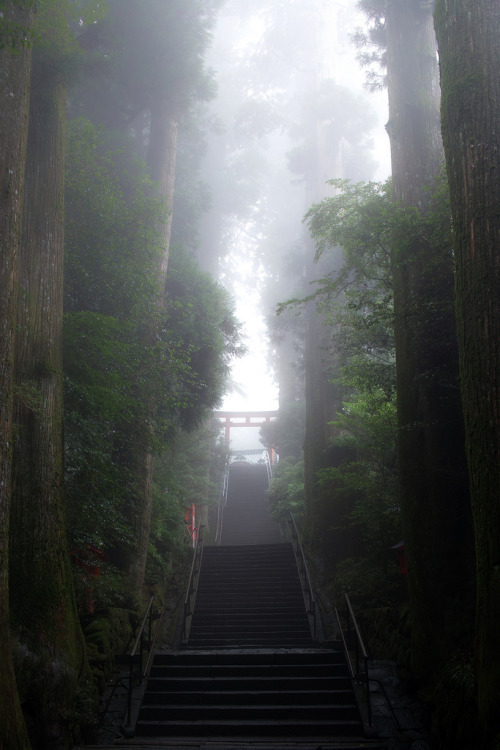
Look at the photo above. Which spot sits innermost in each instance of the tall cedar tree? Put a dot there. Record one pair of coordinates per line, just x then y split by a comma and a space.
157, 52
321, 398
15, 77
433, 488
43, 607
469, 51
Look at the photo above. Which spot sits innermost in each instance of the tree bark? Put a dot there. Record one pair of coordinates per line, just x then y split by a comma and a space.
321, 399
469, 48
15, 76
435, 506
161, 162
43, 604
162, 152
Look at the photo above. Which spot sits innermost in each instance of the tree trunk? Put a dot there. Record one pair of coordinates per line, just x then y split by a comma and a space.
321, 399
212, 221
161, 163
42, 597
162, 151
435, 508
321, 407
469, 48
15, 75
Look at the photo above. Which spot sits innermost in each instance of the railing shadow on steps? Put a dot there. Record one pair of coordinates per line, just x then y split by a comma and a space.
305, 579
143, 644
356, 654
192, 586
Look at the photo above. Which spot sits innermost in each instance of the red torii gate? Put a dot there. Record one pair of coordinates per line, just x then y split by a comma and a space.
249, 420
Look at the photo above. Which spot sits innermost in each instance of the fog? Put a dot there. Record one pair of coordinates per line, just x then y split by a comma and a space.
291, 112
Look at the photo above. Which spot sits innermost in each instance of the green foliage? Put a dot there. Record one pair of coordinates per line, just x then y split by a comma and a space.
148, 52
200, 322
85, 12
359, 218
359, 491
286, 433
371, 43
187, 472
111, 255
286, 490
367, 484
14, 34
358, 488
115, 366
111, 243
56, 51
370, 583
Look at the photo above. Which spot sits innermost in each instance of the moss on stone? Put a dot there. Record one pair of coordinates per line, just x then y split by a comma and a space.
108, 635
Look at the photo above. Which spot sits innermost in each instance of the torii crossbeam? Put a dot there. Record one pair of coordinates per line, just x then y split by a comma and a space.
243, 419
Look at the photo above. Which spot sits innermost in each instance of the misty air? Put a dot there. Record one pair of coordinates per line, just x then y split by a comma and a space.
250, 374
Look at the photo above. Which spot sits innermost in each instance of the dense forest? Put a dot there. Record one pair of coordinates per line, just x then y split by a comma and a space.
151, 149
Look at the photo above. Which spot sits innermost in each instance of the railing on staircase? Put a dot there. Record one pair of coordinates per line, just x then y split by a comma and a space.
305, 580
269, 468
221, 505
192, 587
356, 653
144, 643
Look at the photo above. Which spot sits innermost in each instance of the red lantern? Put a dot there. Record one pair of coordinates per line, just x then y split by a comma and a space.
400, 549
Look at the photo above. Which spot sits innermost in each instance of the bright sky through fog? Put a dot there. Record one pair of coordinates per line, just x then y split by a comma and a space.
251, 374
254, 386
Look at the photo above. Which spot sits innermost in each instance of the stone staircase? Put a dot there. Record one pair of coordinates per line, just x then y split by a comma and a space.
246, 517
249, 596
258, 695
250, 675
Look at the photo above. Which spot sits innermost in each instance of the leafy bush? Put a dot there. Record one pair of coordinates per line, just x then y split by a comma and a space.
286, 490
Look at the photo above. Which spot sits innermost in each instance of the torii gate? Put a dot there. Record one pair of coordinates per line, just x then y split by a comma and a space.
247, 419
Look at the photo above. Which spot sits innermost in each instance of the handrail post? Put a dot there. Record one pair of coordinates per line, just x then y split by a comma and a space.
150, 625
129, 696
367, 688
359, 649
135, 657
192, 583
305, 581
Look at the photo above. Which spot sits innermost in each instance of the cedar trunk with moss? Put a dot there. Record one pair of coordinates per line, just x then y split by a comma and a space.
15, 75
433, 488
469, 48
162, 153
43, 608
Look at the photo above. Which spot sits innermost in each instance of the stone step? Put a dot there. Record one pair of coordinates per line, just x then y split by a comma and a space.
290, 712
321, 657
246, 697
240, 728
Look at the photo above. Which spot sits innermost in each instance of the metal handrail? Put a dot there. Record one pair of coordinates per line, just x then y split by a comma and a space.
305, 579
352, 671
135, 657
192, 587
221, 505
361, 654
269, 468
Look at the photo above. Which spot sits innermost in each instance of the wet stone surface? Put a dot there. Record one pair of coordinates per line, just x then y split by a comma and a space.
398, 718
